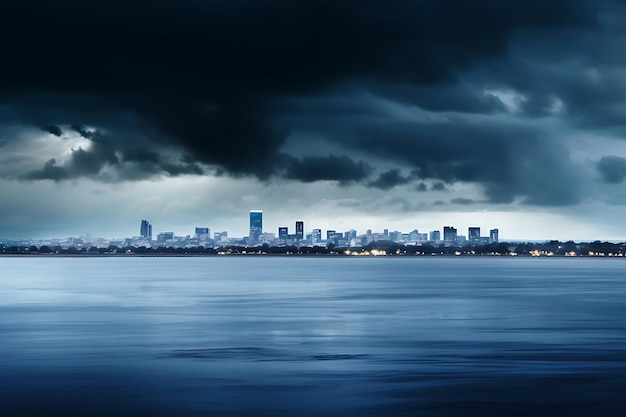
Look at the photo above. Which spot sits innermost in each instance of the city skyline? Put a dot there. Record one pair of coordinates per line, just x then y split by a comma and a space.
297, 228
242, 229
258, 235
395, 115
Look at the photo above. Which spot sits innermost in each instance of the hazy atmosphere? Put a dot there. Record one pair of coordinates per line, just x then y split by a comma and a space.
351, 114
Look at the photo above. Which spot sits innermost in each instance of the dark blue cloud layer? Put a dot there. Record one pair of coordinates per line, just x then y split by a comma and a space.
226, 83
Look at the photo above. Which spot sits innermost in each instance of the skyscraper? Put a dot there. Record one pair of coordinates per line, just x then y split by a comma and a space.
316, 236
449, 234
473, 234
203, 234
333, 237
299, 230
256, 225
145, 230
282, 233
435, 235
202, 231
493, 236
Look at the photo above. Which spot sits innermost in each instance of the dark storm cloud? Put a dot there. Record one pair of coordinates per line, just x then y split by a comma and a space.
612, 169
459, 97
82, 163
93, 135
53, 130
390, 179
50, 171
140, 163
438, 186
421, 187
102, 162
315, 168
216, 80
511, 161
578, 72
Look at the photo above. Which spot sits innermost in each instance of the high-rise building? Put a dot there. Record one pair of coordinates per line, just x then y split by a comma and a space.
163, 237
473, 234
493, 236
435, 235
256, 226
203, 234
145, 230
299, 230
449, 234
334, 237
350, 234
220, 236
283, 232
394, 236
202, 231
316, 236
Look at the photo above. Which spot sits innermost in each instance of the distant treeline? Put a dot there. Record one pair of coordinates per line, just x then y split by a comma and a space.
552, 248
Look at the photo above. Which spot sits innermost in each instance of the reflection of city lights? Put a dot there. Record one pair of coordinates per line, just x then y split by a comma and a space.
537, 252
373, 252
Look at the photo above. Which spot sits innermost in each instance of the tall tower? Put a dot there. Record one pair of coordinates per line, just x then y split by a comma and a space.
299, 230
493, 236
145, 230
316, 236
256, 226
449, 234
473, 234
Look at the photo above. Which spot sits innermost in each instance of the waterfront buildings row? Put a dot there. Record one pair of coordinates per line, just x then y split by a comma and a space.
350, 238
257, 236
203, 237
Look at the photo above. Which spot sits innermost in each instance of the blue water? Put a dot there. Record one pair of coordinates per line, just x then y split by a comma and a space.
307, 336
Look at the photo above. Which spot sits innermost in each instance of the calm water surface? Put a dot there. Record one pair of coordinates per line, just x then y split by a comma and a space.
280, 336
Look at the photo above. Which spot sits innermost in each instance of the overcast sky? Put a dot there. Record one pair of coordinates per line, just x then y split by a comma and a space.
345, 114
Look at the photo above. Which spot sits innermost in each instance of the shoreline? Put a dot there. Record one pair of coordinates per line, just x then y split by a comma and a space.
298, 255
